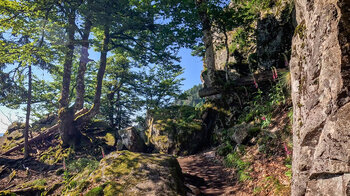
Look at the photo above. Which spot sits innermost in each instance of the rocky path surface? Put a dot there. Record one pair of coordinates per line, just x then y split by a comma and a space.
205, 175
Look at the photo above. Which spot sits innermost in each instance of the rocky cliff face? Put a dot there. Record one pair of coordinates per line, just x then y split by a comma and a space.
267, 43
320, 68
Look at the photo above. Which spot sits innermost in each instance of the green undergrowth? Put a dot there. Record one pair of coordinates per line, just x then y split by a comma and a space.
55, 154
260, 109
267, 120
234, 160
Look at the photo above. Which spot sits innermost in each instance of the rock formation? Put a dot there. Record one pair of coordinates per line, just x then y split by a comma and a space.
131, 140
172, 130
320, 68
128, 173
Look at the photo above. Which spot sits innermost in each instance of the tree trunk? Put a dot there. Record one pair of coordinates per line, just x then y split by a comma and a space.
119, 115
101, 70
80, 121
227, 54
209, 62
320, 70
29, 101
84, 59
67, 130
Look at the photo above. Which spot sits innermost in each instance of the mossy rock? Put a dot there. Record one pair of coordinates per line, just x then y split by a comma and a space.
55, 154
14, 126
129, 173
12, 139
7, 193
172, 129
131, 140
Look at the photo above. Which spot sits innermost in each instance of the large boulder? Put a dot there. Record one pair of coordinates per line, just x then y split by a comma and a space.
12, 137
131, 140
129, 173
14, 127
175, 130
242, 133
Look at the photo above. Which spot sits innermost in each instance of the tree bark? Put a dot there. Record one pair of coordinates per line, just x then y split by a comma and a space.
67, 131
320, 70
209, 61
101, 70
84, 59
100, 74
110, 97
29, 101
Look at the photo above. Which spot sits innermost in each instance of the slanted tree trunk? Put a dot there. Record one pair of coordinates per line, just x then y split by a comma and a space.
69, 135
209, 61
84, 59
29, 101
320, 70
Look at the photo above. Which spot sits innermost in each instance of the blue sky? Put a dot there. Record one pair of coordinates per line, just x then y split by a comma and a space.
192, 65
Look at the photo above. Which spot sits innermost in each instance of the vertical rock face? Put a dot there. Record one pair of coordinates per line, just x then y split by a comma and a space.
320, 68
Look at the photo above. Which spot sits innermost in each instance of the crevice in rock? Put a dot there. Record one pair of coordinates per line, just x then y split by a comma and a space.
325, 175
312, 138
344, 42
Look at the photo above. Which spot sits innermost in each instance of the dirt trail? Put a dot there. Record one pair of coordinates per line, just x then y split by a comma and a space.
205, 175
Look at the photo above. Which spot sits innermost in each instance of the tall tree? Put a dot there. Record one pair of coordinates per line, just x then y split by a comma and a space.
84, 55
135, 27
69, 134
121, 90
161, 85
23, 46
209, 61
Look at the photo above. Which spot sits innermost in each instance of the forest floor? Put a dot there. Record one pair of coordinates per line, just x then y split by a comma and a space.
267, 172
205, 174
25, 176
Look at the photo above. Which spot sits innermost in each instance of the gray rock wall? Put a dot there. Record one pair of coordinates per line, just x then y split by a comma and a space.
320, 71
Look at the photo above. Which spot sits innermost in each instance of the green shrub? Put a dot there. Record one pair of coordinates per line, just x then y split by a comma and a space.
80, 164
97, 191
234, 160
225, 149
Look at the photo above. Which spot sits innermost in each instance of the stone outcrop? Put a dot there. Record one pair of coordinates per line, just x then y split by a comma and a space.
241, 133
131, 140
320, 70
267, 43
128, 173
172, 130
274, 36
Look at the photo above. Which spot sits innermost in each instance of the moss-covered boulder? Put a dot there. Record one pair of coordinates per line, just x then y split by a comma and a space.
129, 173
242, 133
13, 127
131, 140
175, 130
12, 137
